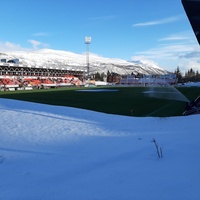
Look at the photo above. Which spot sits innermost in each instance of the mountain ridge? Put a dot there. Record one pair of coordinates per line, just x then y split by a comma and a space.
61, 59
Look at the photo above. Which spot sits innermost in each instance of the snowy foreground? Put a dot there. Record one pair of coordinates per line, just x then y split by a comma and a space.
61, 153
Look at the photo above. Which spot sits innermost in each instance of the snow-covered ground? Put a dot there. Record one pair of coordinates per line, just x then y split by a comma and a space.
62, 153
190, 84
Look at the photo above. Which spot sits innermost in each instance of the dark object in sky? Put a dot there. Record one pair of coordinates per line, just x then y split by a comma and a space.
192, 9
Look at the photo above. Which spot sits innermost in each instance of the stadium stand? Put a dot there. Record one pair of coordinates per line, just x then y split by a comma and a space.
14, 76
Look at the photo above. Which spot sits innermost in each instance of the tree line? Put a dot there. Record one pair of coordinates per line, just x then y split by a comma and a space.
189, 76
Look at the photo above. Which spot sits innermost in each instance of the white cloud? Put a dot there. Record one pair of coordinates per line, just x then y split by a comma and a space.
169, 56
172, 38
36, 44
158, 22
184, 36
166, 51
8, 46
188, 64
180, 49
144, 60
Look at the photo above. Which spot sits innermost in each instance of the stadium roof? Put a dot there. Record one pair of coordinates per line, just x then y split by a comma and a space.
192, 9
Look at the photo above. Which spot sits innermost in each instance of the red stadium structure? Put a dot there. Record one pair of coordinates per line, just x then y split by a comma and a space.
15, 76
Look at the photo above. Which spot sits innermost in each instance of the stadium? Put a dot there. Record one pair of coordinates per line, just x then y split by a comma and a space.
16, 76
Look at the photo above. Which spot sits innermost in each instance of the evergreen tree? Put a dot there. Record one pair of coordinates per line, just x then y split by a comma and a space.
97, 76
108, 73
102, 76
191, 75
178, 75
197, 76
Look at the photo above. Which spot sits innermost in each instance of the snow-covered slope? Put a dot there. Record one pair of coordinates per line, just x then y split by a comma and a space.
63, 59
62, 153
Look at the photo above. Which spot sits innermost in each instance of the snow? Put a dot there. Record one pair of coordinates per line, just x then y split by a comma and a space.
190, 84
50, 58
53, 152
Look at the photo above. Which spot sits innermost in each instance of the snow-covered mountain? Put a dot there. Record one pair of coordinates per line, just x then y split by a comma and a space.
63, 59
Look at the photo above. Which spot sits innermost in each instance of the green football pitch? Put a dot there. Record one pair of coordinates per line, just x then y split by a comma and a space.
129, 101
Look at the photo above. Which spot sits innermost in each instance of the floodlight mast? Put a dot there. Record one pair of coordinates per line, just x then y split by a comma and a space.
87, 42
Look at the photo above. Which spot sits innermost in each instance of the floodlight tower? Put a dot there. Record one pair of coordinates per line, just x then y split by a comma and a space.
87, 42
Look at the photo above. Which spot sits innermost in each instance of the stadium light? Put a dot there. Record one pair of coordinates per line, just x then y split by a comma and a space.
87, 42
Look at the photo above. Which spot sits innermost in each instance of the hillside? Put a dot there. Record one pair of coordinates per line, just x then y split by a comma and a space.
63, 59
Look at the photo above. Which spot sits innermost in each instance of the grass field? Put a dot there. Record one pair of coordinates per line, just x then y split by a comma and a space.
129, 101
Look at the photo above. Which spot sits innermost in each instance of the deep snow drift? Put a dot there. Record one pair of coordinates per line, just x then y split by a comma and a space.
52, 152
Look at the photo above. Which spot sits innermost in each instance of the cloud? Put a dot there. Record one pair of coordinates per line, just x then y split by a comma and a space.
191, 60
187, 64
36, 44
144, 60
173, 38
166, 51
174, 46
158, 22
184, 36
179, 49
8, 46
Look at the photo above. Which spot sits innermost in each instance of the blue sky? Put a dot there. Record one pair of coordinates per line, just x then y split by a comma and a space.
154, 30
